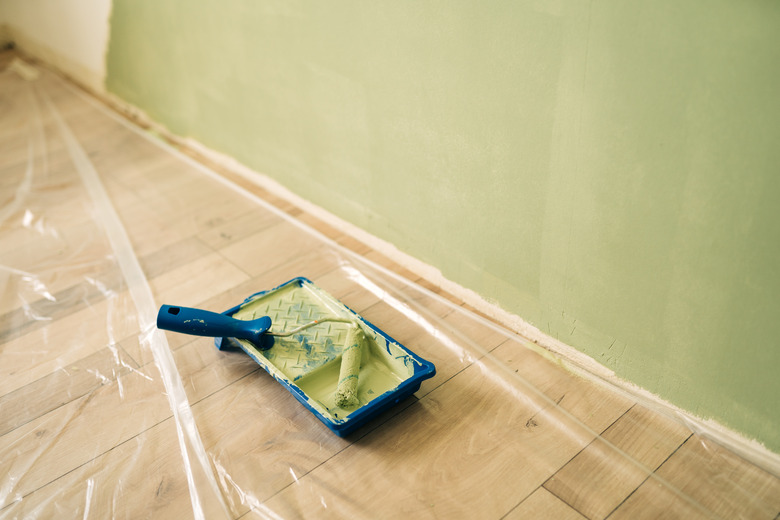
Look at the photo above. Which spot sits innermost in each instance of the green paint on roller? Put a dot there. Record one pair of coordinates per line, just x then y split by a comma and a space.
346, 393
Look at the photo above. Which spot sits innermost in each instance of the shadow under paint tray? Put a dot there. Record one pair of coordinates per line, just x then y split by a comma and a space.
307, 363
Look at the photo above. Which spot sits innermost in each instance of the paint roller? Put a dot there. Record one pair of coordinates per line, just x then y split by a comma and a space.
205, 323
199, 322
346, 393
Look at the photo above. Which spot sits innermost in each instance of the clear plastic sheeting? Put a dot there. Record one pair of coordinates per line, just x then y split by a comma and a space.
102, 415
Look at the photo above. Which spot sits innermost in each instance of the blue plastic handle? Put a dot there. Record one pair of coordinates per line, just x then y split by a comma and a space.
198, 322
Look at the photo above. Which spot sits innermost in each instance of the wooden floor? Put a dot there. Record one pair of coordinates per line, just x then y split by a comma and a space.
86, 421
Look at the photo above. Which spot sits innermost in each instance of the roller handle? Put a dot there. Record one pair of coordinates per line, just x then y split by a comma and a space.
198, 322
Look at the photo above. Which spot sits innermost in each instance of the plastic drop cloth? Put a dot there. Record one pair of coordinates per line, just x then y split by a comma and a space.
104, 416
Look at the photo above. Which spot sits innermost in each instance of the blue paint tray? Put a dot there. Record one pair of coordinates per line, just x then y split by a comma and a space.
307, 363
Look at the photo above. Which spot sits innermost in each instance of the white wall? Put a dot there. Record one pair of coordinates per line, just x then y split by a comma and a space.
72, 35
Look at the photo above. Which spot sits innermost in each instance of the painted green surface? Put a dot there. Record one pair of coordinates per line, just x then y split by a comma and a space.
607, 170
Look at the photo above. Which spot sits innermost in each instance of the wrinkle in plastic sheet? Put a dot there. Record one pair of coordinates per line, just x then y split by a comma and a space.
103, 415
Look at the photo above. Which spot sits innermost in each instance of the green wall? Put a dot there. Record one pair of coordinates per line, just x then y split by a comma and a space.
606, 170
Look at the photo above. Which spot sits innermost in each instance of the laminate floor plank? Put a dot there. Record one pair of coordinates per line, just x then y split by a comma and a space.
543, 505
65, 341
197, 280
715, 482
600, 478
543, 382
62, 386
